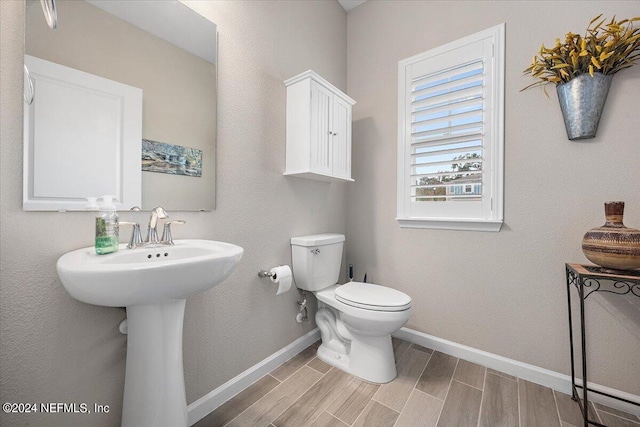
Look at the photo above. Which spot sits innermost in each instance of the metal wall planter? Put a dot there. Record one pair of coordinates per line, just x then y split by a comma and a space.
582, 100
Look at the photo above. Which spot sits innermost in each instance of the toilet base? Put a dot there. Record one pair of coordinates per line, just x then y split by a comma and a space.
370, 358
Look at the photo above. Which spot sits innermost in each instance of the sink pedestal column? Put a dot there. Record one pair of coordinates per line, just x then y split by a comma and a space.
154, 394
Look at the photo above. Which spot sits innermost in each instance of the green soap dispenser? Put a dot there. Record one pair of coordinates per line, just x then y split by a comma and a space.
107, 229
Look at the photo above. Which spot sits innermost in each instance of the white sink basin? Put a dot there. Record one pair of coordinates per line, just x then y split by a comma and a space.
153, 284
147, 275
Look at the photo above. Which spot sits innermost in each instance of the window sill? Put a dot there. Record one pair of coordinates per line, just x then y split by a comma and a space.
491, 225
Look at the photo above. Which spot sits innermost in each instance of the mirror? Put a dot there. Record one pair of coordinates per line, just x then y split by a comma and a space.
161, 50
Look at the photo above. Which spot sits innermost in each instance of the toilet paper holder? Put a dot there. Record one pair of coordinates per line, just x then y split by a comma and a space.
266, 273
281, 275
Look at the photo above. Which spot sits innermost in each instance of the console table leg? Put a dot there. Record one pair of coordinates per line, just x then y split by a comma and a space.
574, 395
584, 354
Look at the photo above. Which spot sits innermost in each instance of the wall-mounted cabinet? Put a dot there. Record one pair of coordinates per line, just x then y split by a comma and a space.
318, 129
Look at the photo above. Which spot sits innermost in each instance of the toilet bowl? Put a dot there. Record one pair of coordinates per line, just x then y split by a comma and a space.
356, 319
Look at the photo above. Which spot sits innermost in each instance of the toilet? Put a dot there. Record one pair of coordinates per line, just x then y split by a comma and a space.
356, 319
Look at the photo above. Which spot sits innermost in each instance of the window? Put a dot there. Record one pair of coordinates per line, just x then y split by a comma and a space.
451, 135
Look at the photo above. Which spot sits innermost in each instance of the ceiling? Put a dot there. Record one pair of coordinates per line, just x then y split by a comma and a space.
350, 4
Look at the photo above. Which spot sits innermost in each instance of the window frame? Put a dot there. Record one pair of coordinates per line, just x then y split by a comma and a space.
489, 220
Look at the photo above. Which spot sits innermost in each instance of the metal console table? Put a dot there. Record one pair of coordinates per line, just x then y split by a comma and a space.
588, 279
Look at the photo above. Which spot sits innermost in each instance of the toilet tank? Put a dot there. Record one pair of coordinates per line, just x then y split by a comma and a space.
316, 260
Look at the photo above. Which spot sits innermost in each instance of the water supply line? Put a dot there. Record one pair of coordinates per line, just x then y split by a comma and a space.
302, 315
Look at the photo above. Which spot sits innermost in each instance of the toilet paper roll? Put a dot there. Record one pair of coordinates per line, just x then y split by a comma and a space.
283, 276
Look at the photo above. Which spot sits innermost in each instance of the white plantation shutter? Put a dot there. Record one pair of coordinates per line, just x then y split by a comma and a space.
450, 135
447, 124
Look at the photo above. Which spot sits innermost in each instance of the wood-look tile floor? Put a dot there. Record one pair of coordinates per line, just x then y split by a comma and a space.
432, 389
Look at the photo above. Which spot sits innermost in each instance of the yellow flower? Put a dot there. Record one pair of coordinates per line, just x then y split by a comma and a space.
606, 46
604, 55
574, 60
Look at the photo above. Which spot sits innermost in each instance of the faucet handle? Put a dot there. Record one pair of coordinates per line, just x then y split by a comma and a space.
152, 234
166, 234
136, 236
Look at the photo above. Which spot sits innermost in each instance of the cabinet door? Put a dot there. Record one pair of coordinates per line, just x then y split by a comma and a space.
321, 150
341, 128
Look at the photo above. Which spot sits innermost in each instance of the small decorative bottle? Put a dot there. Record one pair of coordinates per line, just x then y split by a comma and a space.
613, 245
107, 228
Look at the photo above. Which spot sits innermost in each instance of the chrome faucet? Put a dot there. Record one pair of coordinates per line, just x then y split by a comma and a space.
152, 230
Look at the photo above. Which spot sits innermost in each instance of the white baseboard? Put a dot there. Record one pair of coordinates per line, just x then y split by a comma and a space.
551, 379
212, 400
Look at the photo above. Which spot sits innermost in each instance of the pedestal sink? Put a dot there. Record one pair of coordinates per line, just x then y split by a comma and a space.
153, 283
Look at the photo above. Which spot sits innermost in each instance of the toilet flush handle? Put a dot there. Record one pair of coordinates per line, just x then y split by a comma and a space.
315, 251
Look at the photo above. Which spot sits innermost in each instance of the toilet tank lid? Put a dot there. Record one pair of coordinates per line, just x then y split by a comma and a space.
317, 239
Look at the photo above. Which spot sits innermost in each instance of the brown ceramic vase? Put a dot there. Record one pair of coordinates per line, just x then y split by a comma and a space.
613, 245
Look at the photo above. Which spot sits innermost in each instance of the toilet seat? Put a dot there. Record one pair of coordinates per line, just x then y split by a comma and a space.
372, 297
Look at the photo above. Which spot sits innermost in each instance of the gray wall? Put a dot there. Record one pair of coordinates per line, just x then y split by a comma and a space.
55, 349
499, 292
